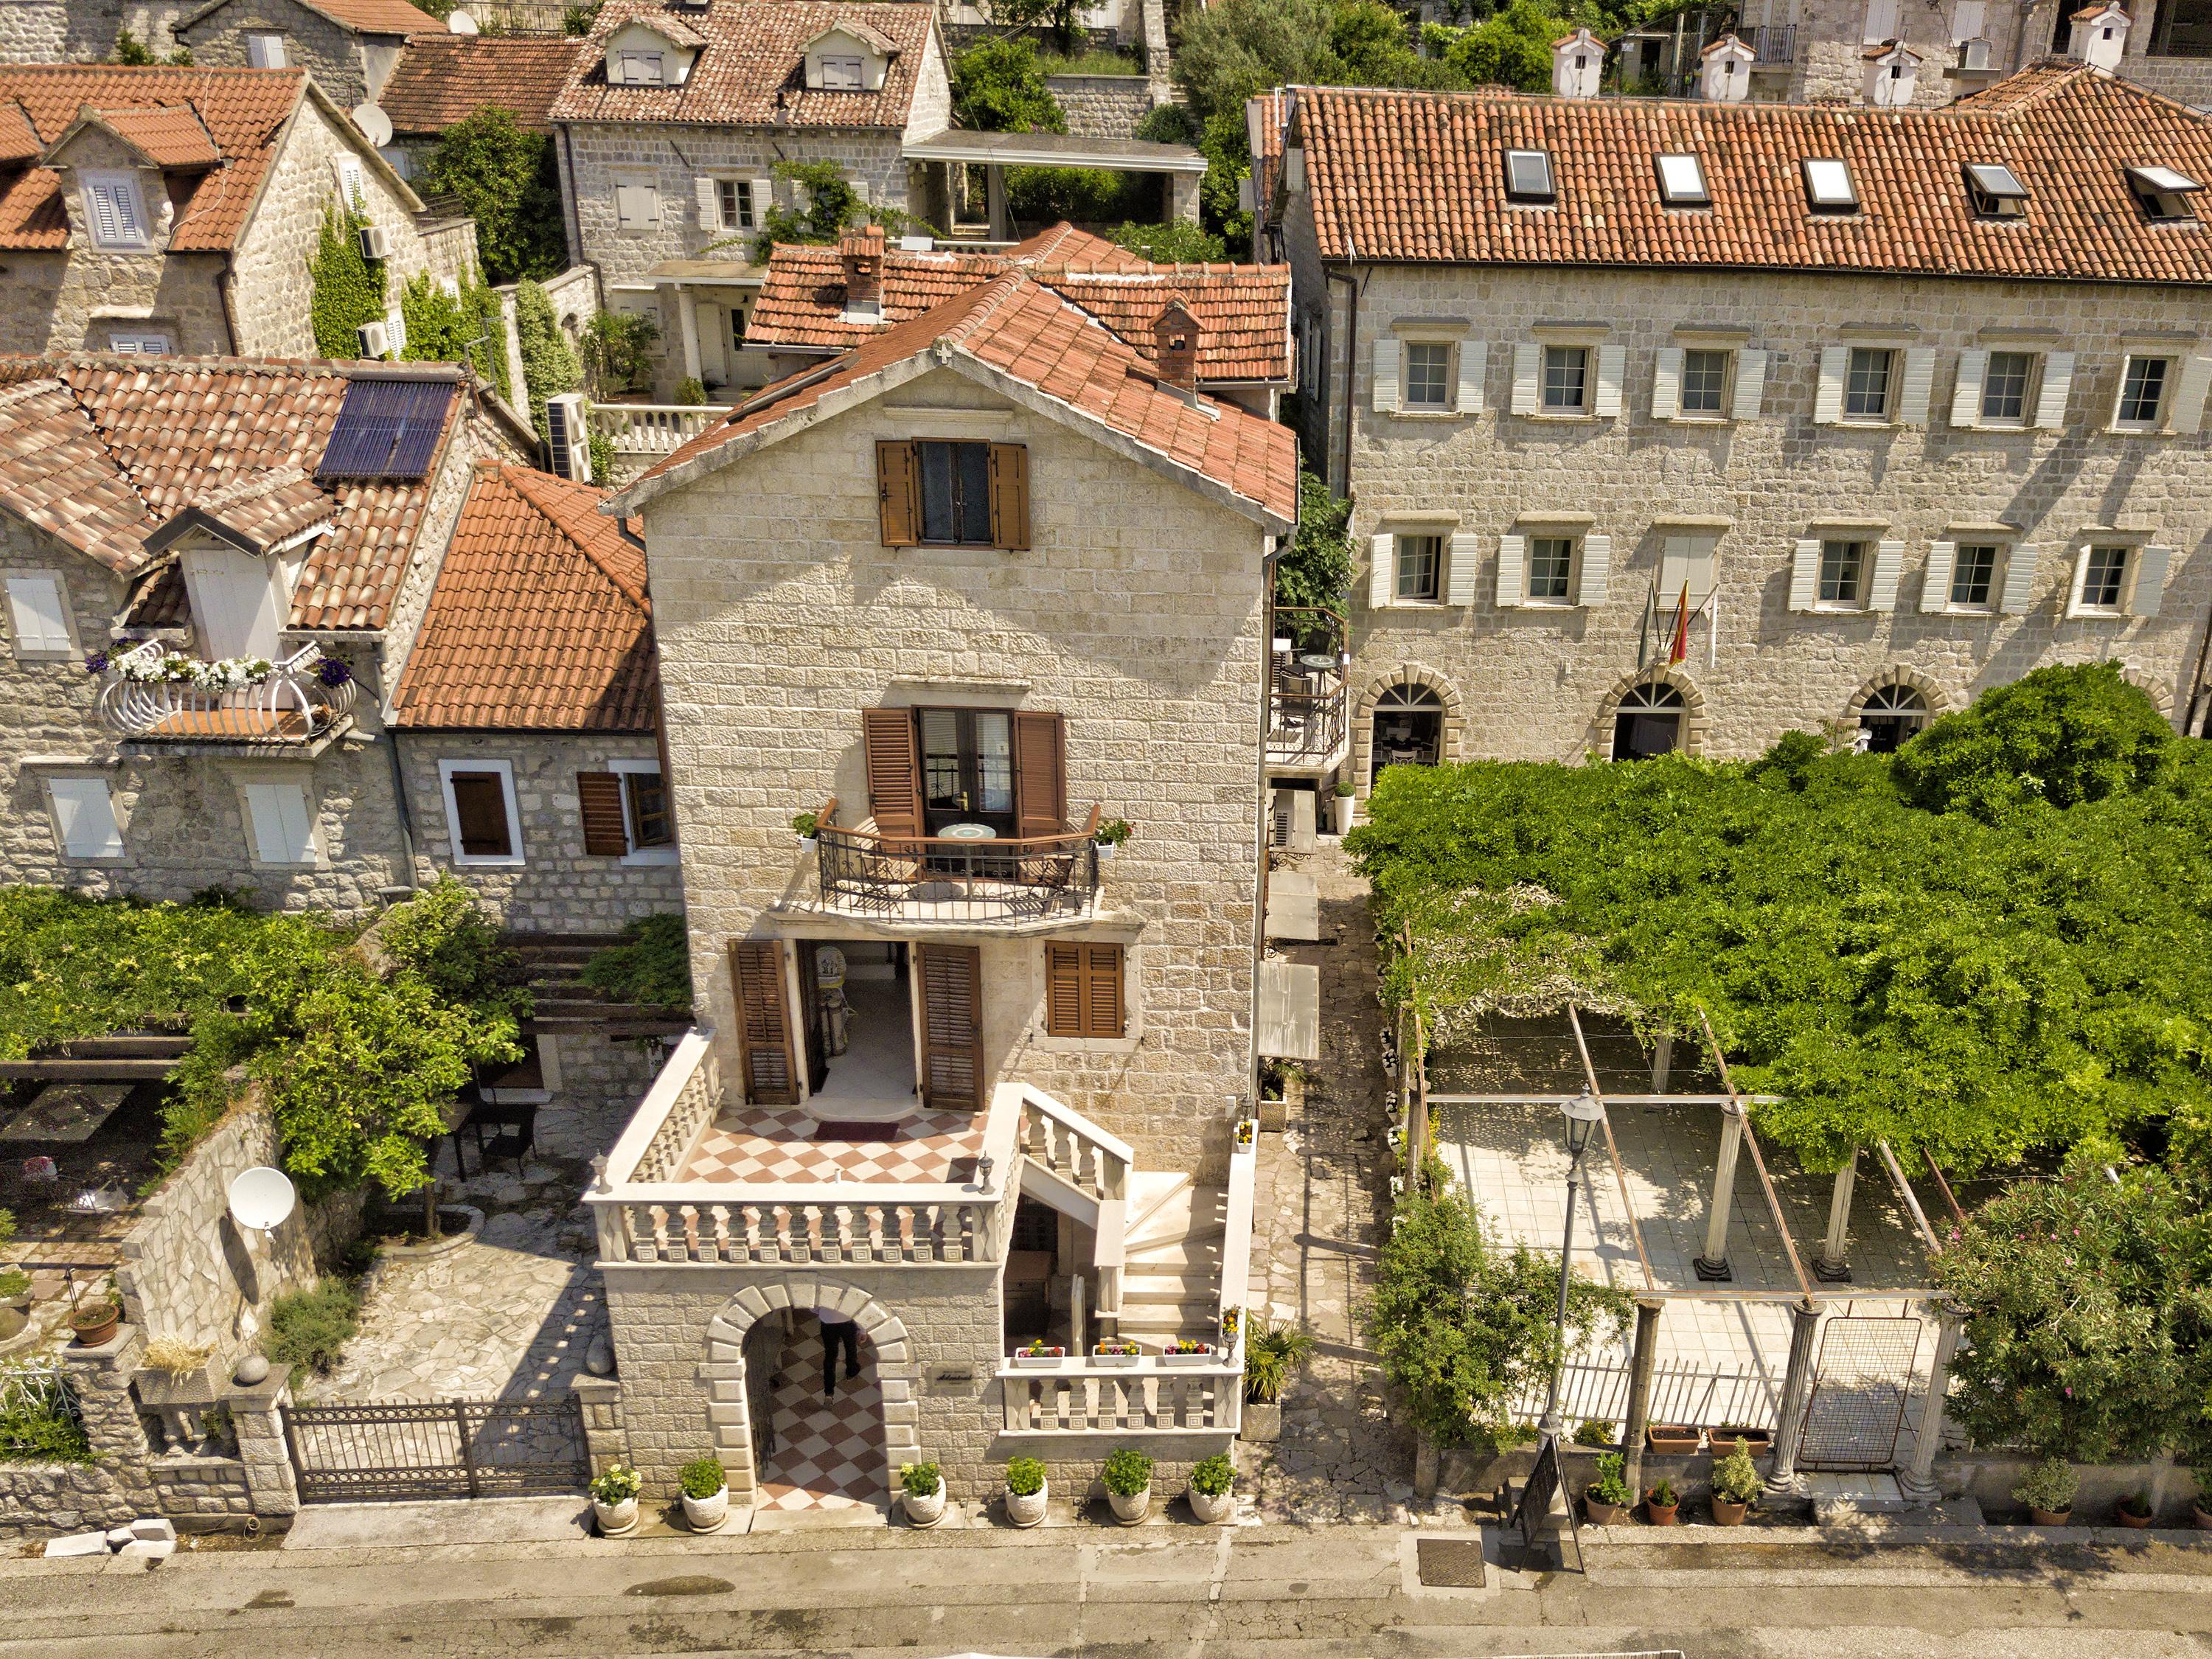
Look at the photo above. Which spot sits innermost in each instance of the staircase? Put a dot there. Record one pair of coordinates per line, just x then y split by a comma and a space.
1171, 1276
554, 964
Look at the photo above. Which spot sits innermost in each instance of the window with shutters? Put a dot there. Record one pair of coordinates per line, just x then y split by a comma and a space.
1867, 383
978, 773
2143, 394
1551, 568
956, 493
734, 198
967, 768
633, 67
645, 797
637, 202
842, 74
39, 626
139, 344
2005, 397
1421, 564
2104, 580
1843, 573
264, 50
1973, 575
280, 824
1704, 385
85, 824
114, 214
1085, 995
1428, 374
951, 493
483, 820
1567, 379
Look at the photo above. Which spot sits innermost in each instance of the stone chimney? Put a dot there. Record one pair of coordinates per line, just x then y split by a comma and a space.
1893, 69
1577, 62
861, 253
2099, 36
1175, 344
1724, 71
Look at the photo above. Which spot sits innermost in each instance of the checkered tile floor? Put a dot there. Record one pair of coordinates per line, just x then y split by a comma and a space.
828, 1455
747, 1143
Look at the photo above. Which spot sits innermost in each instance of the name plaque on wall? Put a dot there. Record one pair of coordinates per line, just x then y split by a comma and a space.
949, 1379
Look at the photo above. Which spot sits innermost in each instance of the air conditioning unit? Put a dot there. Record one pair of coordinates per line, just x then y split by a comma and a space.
1973, 54
375, 242
568, 428
375, 340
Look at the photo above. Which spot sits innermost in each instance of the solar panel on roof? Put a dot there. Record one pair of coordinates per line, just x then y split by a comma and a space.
387, 429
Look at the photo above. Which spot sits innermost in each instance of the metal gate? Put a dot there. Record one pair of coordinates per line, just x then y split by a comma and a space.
453, 1449
1859, 1389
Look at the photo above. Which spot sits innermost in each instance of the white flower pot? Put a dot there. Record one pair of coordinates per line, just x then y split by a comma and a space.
1213, 1510
615, 1519
1118, 1361
1027, 1511
1038, 1361
1105, 851
707, 1514
1130, 1510
927, 1511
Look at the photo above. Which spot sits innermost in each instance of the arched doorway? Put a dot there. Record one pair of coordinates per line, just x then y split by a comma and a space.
1408, 729
1648, 721
1890, 715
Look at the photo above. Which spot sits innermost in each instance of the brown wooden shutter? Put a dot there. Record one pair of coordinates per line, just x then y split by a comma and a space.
1083, 993
952, 1026
1040, 773
600, 796
763, 1024
480, 804
898, 493
894, 760
1010, 495
1102, 990
1063, 990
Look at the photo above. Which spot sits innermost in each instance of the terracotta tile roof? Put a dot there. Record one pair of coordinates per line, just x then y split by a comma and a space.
445, 78
1266, 113
261, 510
1024, 329
539, 621
105, 450
19, 140
242, 111
1074, 249
1419, 177
751, 71
169, 137
1242, 311
365, 16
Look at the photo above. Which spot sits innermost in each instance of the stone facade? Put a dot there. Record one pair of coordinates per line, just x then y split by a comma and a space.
1102, 105
85, 31
349, 67
1831, 36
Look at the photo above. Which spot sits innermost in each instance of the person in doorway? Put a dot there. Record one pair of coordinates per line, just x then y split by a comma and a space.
838, 1333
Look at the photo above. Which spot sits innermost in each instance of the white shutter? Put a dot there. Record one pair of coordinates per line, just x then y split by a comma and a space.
1382, 570
1386, 376
1880, 22
1805, 575
1919, 382
1597, 569
1459, 575
1828, 401
710, 204
1512, 571
1967, 394
350, 185
2057, 382
2079, 579
85, 817
2189, 395
1750, 384
100, 202
1888, 560
283, 832
1474, 370
35, 612
1528, 370
629, 207
1935, 586
2150, 585
1966, 21
1666, 385
1611, 370
395, 331
763, 198
2021, 564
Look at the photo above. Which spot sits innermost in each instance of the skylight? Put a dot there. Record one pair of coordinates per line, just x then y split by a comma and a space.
1528, 175
1828, 186
1682, 181
1996, 190
2162, 192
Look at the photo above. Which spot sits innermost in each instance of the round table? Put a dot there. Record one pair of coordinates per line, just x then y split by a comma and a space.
967, 832
1318, 662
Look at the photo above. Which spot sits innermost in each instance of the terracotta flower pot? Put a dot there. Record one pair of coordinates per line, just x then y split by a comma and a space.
1602, 1513
2049, 1517
2127, 1517
1676, 1439
1725, 1514
1662, 1514
95, 1324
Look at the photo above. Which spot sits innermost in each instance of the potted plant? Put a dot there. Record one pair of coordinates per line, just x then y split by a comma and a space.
706, 1494
1272, 1351
1735, 1486
1594, 1431
1187, 1351
1026, 1491
14, 1301
94, 1322
1761, 1441
1038, 1356
2134, 1511
1606, 1500
1128, 1479
1109, 836
613, 1499
807, 826
1661, 1503
1212, 1497
1121, 1353
923, 1486
1345, 792
2048, 1491
1671, 1439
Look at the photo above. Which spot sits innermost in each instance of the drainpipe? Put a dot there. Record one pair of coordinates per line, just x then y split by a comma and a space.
575, 225
1351, 360
408, 883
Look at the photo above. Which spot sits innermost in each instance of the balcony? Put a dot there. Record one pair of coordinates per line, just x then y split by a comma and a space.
161, 696
1307, 726
642, 434
1772, 44
946, 879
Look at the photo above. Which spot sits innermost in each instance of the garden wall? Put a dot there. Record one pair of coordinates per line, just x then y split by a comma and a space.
1102, 105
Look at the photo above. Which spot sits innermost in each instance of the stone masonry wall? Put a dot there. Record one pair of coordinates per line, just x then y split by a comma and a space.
331, 54
83, 30
1102, 105
1830, 44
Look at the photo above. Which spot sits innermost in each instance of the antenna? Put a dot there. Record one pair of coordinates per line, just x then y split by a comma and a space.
262, 1198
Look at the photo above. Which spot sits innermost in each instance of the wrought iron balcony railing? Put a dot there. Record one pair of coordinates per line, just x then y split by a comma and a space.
945, 879
1306, 703
153, 694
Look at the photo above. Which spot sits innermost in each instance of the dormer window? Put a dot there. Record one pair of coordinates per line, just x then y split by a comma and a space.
843, 74
1682, 182
1529, 176
1996, 192
1828, 186
635, 68
113, 212
2162, 193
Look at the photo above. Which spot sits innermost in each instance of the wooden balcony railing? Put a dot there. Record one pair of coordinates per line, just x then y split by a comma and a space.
941, 879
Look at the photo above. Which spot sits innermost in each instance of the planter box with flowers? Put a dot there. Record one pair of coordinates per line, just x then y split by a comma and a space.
1038, 1357
1122, 1356
1185, 1352
613, 1499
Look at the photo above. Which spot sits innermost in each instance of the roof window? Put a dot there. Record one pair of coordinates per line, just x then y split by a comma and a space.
1996, 191
1828, 186
1682, 182
2162, 192
1529, 176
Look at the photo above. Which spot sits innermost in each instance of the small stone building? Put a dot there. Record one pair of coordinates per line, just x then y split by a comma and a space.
349, 46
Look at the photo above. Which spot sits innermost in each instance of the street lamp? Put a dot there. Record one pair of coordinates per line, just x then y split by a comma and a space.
1584, 1113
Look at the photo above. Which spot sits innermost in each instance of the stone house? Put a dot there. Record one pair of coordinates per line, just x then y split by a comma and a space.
158, 211
1686, 424
967, 1075
349, 46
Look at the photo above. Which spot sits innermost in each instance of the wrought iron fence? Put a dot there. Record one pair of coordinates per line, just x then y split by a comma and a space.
38, 1417
1304, 725
404, 1449
1680, 1393
1024, 879
1773, 43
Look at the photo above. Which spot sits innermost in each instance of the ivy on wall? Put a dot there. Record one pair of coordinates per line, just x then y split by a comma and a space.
445, 328
549, 362
348, 289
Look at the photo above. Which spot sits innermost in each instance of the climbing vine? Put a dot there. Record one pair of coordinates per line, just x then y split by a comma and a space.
549, 362
348, 289
448, 328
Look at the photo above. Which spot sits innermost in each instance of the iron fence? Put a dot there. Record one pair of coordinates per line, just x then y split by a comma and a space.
1027, 879
1696, 1395
406, 1450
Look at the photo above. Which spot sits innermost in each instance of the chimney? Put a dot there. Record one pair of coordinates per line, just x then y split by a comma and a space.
861, 251
2099, 36
1175, 344
1893, 69
1724, 71
1577, 62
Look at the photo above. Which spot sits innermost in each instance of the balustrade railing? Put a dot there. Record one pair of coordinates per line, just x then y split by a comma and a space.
1096, 1162
1152, 1396
654, 430
942, 877
1773, 43
293, 701
1306, 701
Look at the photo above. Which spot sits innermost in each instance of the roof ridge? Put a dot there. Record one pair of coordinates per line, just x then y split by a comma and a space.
511, 472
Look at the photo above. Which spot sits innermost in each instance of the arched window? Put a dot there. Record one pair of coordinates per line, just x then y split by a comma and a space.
1409, 728
1891, 713
1648, 722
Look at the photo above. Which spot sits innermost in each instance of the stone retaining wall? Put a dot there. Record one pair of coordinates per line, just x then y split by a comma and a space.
1102, 105
202, 1494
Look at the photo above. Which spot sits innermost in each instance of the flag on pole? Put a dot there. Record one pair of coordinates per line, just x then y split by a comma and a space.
1680, 648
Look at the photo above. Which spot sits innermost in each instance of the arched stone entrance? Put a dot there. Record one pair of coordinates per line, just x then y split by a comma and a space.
1894, 706
1659, 711
888, 1352
1412, 688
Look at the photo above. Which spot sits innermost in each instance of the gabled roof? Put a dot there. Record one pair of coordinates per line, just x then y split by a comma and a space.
539, 620
242, 112
1026, 341
669, 26
856, 29
1417, 177
752, 70
1242, 311
444, 78
361, 17
168, 136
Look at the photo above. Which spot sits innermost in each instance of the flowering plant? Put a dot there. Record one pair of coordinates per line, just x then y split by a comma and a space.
175, 668
331, 671
1041, 1349
1116, 1346
1188, 1345
1231, 1319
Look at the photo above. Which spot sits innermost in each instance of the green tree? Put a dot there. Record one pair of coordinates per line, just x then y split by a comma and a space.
1177, 242
999, 86
1237, 49
347, 290
832, 207
1512, 48
617, 351
508, 179
445, 328
1315, 571
549, 367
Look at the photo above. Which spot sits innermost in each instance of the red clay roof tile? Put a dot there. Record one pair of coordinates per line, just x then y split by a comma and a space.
445, 78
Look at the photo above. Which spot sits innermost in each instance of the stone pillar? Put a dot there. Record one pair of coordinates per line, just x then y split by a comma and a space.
1182, 195
1643, 1359
99, 1378
1662, 1062
1917, 1483
687, 318
605, 1440
995, 201
1832, 1266
257, 1411
1796, 1390
1713, 1265
1157, 87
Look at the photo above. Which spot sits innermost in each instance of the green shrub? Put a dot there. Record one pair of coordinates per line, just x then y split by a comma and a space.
1272, 1352
2062, 735
38, 1421
1128, 1471
1211, 1476
308, 1329
1024, 1477
998, 85
617, 1483
690, 392
1611, 1486
703, 1477
920, 1479
1594, 1431
2049, 1486
549, 364
1734, 1479
650, 966
509, 181
1176, 242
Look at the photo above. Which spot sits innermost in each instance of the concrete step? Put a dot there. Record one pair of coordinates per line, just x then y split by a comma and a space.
1198, 1250
1194, 1210
1149, 1190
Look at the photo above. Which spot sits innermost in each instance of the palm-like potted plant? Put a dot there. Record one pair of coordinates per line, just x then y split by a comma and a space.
1736, 1485
2048, 1490
1661, 1503
1212, 1483
706, 1494
1027, 1490
1271, 1353
613, 1499
1128, 1479
923, 1487
1606, 1500
2134, 1511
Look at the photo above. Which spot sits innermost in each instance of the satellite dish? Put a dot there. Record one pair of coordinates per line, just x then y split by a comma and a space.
459, 23
375, 126
261, 1198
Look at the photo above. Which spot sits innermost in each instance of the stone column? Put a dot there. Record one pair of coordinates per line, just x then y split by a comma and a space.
1182, 195
100, 1379
687, 319
1157, 87
1832, 1266
1917, 1483
256, 1410
994, 200
1796, 1390
1643, 1359
1714, 1263
605, 1440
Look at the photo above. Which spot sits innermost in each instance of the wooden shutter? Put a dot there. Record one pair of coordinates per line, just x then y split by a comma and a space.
710, 201
1935, 586
1597, 569
894, 764
1888, 560
1750, 385
2022, 565
2058, 384
1381, 571
1919, 383
1473, 369
2189, 393
1102, 991
1063, 990
480, 804
1805, 574
1512, 571
1040, 773
1966, 394
952, 1026
1084, 995
1010, 495
1828, 400
763, 1024
599, 795
1527, 376
898, 493
2147, 588
1385, 375
1612, 372
1464, 558
1666, 383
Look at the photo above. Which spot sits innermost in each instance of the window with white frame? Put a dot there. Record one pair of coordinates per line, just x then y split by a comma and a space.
1867, 383
1843, 572
279, 822
1567, 379
2143, 392
1428, 374
1420, 565
2005, 382
38, 617
1551, 568
85, 823
139, 344
485, 825
647, 821
2104, 579
1705, 384
735, 197
114, 214
264, 50
1974, 576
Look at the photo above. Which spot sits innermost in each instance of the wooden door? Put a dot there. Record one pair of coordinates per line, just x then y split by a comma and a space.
811, 1034
952, 1026
764, 1049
